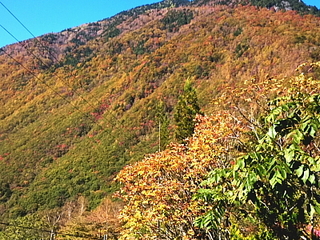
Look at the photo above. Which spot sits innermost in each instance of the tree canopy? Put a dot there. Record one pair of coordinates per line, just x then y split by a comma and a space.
185, 112
242, 175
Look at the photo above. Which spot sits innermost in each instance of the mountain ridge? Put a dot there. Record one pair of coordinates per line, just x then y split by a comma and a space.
107, 24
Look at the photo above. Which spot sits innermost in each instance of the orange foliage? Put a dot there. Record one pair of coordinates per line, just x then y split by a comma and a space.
158, 191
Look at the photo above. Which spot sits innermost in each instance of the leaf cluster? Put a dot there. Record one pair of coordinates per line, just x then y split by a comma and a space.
276, 182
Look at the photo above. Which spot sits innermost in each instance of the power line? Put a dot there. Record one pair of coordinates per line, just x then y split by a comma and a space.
40, 60
30, 71
113, 116
52, 232
19, 42
64, 98
36, 39
25, 29
9, 33
17, 20
82, 98
45, 64
55, 92
61, 96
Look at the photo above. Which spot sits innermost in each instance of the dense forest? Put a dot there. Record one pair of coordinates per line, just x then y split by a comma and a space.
174, 120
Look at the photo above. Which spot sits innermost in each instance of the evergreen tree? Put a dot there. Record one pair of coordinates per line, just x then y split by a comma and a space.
185, 111
163, 124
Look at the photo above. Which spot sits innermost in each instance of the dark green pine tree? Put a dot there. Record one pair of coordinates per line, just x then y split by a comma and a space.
185, 112
163, 122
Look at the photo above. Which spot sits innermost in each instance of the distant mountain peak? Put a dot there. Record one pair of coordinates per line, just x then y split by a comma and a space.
297, 5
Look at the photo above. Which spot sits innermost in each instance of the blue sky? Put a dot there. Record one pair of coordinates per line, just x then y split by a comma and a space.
48, 16
312, 3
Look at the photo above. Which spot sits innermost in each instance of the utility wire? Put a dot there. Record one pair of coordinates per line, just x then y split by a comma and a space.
64, 98
49, 231
25, 29
44, 64
86, 101
13, 15
17, 20
45, 47
57, 93
9, 33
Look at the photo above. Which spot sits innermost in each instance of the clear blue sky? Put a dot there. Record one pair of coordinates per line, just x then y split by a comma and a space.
46, 16
312, 3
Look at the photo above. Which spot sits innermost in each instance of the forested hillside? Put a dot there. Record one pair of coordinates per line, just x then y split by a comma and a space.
80, 105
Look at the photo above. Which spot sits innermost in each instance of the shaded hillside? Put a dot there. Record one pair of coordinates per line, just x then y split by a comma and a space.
76, 112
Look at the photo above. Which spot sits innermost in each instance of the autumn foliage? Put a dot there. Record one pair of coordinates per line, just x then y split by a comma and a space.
167, 193
85, 107
158, 191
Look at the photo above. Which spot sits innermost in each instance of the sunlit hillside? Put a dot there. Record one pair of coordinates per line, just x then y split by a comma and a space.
79, 105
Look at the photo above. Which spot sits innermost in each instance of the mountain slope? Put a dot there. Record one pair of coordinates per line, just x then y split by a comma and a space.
79, 105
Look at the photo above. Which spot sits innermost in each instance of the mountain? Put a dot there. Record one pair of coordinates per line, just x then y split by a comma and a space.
81, 104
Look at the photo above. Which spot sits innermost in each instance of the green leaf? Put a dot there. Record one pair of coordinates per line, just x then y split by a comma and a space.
317, 208
297, 136
211, 219
306, 174
289, 154
277, 177
311, 210
272, 132
251, 180
240, 164
316, 165
299, 171
260, 170
312, 179
274, 181
272, 165
313, 130
283, 173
